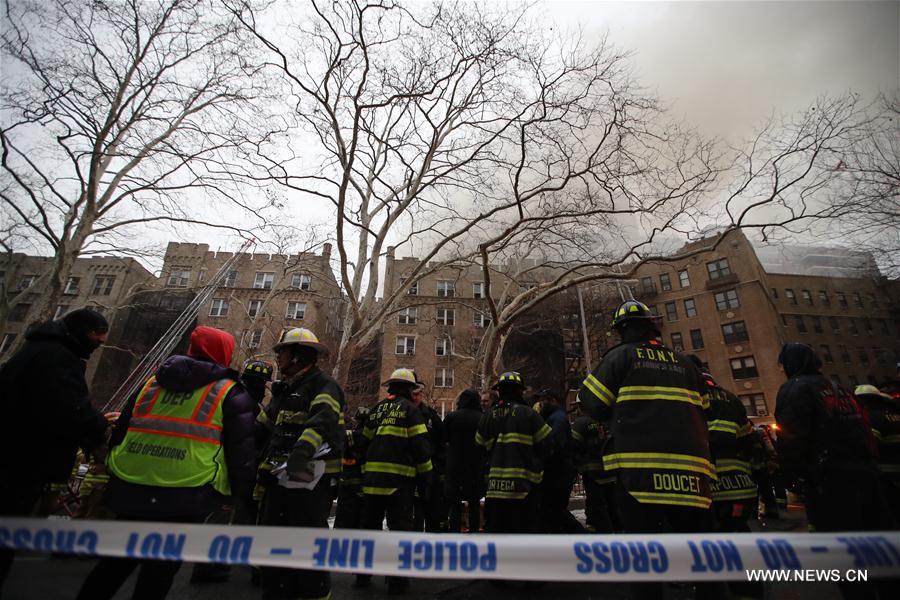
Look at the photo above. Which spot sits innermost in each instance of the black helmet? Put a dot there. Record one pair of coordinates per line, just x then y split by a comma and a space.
630, 311
260, 369
510, 378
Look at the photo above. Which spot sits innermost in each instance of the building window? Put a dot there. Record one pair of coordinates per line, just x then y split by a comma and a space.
446, 289
784, 322
296, 310
857, 300
884, 326
254, 307
218, 308
103, 285
412, 290
443, 346
696, 339
178, 278
718, 268
735, 332
677, 342
867, 323
481, 319
230, 278
880, 355
72, 286
26, 282
854, 381
61, 309
300, 281
647, 285
826, 353
801, 324
478, 289
824, 299
854, 328
807, 297
774, 293
254, 339
727, 299
665, 282
690, 308
755, 405
446, 316
443, 377
863, 356
671, 311
263, 281
406, 344
845, 354
7, 342
654, 310
817, 324
833, 323
873, 300
407, 316
19, 312
842, 299
789, 294
744, 368
684, 278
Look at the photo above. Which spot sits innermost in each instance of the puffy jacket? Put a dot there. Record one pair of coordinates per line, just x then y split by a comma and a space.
884, 418
589, 439
47, 412
437, 437
731, 445
655, 400
399, 450
465, 459
518, 441
186, 374
306, 411
821, 426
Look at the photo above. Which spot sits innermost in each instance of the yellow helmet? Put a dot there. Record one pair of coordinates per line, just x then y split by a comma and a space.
402, 376
869, 390
299, 336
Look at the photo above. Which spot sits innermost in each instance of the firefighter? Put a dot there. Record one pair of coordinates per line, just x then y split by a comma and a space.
465, 464
884, 419
559, 468
350, 494
305, 417
431, 513
255, 377
516, 439
589, 440
655, 400
764, 466
397, 461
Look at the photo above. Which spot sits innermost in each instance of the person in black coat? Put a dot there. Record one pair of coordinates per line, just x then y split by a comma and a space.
465, 462
47, 411
131, 492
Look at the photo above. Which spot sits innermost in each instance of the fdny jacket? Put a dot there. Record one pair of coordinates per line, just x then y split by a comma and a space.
306, 411
398, 450
884, 418
518, 440
731, 445
589, 437
655, 400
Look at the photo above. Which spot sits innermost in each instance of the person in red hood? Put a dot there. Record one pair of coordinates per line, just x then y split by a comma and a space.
182, 448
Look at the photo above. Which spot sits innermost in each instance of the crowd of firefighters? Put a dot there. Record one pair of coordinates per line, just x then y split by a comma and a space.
658, 446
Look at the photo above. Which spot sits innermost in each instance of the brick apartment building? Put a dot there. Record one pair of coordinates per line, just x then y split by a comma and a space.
105, 283
262, 295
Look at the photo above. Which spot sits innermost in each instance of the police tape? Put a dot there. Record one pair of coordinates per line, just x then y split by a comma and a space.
526, 557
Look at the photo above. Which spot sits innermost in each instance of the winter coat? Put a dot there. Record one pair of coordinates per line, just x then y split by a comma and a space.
465, 460
186, 374
47, 412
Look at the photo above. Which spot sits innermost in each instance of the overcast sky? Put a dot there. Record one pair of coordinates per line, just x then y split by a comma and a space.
728, 65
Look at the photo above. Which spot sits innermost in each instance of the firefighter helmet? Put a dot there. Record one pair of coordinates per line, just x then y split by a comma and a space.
870, 390
299, 336
510, 378
630, 311
260, 369
403, 376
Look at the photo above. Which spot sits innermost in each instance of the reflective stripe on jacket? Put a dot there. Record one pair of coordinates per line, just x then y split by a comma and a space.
517, 439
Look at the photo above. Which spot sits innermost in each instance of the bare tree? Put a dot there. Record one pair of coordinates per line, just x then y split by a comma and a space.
118, 117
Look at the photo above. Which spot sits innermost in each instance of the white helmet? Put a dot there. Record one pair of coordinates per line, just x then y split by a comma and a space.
402, 376
299, 336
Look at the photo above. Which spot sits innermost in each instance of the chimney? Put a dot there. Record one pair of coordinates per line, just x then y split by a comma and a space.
326, 250
390, 252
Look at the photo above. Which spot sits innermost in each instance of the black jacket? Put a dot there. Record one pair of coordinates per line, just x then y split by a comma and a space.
821, 426
186, 374
47, 412
465, 460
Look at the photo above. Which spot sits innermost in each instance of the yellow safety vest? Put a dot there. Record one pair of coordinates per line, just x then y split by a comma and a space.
174, 439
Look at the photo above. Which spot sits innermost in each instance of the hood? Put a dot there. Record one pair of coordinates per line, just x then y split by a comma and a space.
208, 343
469, 399
56, 331
186, 374
799, 359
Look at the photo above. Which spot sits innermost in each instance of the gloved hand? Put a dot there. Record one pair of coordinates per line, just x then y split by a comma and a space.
299, 467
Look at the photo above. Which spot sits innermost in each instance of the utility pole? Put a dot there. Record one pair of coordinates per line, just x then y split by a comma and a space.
586, 341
